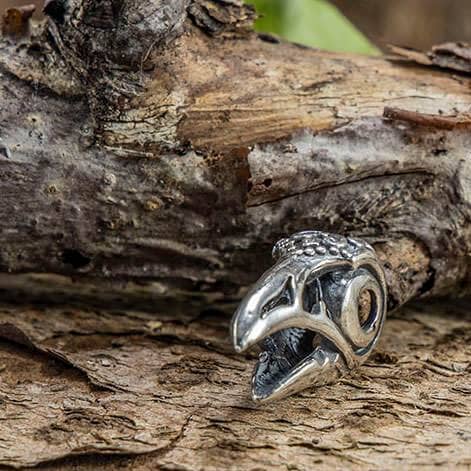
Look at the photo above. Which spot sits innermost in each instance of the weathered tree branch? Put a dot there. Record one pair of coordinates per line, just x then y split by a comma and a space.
164, 141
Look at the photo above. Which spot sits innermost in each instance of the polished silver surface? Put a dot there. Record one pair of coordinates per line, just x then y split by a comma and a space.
316, 314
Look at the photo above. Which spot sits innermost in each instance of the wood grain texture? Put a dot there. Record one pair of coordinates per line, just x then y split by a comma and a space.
91, 383
180, 149
151, 152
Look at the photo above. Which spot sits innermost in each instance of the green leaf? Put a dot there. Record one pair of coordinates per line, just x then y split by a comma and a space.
315, 23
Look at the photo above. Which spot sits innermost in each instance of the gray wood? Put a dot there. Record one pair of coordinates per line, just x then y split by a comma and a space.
170, 143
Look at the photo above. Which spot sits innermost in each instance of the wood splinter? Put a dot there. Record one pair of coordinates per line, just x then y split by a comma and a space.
436, 121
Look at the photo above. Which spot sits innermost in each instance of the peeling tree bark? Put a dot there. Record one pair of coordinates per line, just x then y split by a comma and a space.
83, 385
165, 141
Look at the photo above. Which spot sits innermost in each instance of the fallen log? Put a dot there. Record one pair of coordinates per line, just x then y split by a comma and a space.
167, 142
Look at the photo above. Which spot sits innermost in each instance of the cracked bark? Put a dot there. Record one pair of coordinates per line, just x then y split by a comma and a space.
131, 383
151, 152
170, 144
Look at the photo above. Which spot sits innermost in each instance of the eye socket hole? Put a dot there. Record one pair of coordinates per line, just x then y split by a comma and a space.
366, 307
284, 298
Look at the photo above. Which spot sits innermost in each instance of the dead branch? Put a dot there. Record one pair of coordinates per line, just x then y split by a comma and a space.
172, 144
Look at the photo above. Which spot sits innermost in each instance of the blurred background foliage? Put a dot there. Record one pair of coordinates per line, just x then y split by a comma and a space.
315, 23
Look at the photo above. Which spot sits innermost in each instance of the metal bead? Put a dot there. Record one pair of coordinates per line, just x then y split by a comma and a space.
309, 313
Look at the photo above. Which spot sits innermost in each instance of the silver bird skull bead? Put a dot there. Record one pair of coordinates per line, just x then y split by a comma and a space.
316, 314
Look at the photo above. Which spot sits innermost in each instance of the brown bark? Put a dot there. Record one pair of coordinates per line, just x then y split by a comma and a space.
130, 383
173, 145
151, 152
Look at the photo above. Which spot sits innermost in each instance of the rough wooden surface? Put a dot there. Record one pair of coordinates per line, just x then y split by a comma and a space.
149, 157
179, 150
112, 383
